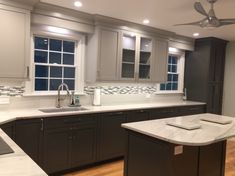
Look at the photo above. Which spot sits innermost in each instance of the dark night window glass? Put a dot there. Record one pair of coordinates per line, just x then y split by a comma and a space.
69, 72
54, 83
70, 83
68, 46
41, 71
51, 59
55, 58
40, 56
56, 72
172, 77
68, 59
55, 45
41, 43
41, 84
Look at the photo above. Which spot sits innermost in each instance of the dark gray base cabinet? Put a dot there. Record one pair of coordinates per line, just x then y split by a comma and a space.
63, 143
152, 157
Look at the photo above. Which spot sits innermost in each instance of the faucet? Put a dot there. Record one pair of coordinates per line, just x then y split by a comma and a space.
59, 96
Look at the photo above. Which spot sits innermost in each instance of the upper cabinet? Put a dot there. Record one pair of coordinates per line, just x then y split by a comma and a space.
126, 56
14, 43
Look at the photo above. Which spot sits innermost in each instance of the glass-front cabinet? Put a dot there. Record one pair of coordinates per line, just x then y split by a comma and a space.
136, 57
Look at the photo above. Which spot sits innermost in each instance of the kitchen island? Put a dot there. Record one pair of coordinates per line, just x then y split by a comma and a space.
156, 148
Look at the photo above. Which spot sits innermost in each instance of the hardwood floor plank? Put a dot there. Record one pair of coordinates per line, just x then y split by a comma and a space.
116, 168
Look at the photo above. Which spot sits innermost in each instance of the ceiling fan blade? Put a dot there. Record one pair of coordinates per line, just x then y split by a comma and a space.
224, 22
192, 24
200, 9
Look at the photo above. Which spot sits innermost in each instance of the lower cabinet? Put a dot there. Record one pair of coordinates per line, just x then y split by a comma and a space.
28, 135
9, 129
70, 145
62, 143
111, 139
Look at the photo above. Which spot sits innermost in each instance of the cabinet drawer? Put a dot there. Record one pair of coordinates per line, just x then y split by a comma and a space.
190, 110
69, 121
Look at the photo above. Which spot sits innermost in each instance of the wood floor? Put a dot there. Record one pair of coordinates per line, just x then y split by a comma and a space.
116, 168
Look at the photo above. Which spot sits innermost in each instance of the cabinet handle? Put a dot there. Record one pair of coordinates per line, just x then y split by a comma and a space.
42, 125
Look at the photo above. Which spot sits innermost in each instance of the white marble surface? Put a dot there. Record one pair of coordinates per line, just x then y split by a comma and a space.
24, 113
17, 163
208, 133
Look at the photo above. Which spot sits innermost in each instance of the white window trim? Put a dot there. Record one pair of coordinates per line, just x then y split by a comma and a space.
181, 65
79, 63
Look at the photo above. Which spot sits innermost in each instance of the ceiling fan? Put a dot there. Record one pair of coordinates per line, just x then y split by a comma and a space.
210, 20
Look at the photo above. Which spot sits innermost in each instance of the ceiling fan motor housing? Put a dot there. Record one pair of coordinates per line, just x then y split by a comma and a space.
211, 1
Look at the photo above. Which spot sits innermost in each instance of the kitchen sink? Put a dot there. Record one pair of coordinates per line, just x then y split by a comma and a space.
63, 109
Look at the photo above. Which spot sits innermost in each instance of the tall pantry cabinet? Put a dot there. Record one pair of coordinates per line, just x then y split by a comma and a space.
204, 73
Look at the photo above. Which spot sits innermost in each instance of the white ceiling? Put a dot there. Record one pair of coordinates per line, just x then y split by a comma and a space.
162, 14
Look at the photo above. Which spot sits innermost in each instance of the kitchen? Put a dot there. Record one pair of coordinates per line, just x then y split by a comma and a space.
77, 78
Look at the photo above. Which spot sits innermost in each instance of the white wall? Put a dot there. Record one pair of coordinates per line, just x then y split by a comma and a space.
229, 81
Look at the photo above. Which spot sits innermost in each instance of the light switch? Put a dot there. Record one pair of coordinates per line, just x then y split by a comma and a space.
178, 150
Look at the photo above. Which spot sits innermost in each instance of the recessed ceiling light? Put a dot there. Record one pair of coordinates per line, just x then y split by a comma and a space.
146, 21
196, 34
77, 4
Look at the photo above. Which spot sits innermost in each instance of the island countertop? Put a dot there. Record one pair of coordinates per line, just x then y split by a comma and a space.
208, 133
17, 163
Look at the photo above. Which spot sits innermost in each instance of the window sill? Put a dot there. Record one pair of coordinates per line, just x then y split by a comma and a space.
169, 92
41, 94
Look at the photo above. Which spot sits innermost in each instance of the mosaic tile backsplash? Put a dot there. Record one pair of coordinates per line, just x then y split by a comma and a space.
11, 91
113, 90
105, 90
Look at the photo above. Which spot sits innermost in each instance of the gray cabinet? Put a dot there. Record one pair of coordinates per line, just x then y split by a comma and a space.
14, 44
108, 55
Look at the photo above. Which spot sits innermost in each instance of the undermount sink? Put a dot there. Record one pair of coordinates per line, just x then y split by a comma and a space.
63, 109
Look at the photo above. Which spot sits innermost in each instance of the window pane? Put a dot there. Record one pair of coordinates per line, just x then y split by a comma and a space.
175, 86
162, 87
40, 56
55, 45
168, 86
41, 71
68, 46
70, 83
169, 77
174, 68
68, 59
56, 72
174, 60
169, 60
175, 78
69, 72
41, 43
169, 68
54, 84
55, 58
41, 84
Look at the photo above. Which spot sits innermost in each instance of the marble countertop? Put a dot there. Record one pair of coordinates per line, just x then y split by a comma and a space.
17, 163
208, 133
14, 114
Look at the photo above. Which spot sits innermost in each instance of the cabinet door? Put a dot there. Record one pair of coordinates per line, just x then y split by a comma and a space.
28, 136
136, 116
145, 55
129, 57
112, 136
14, 34
83, 146
161, 113
159, 70
56, 150
9, 129
108, 55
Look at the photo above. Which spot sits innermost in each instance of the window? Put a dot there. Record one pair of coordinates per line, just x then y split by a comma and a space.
54, 63
172, 76
175, 75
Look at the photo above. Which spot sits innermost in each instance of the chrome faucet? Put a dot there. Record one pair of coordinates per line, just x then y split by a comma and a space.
59, 96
